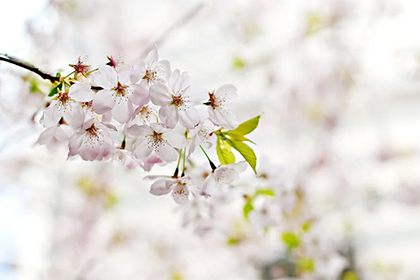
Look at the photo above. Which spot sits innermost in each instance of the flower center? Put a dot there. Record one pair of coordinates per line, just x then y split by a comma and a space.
92, 131
178, 100
212, 101
63, 97
147, 113
80, 67
156, 141
181, 190
93, 136
120, 89
150, 75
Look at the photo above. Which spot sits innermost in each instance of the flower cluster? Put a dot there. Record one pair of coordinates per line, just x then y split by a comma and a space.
143, 115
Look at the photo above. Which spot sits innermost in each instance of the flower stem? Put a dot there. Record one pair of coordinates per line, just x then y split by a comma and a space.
183, 163
91, 71
123, 144
69, 74
27, 66
213, 167
177, 165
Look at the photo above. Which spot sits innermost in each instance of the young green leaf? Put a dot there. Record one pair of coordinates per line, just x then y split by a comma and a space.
246, 152
54, 90
224, 152
246, 127
235, 135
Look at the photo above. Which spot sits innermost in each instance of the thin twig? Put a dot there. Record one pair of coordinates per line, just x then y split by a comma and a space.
27, 66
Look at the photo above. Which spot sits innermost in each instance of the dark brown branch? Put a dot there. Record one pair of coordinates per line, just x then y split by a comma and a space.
27, 66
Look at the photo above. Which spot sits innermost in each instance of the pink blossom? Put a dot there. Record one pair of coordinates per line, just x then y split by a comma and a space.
156, 138
92, 141
118, 95
219, 103
222, 176
152, 70
177, 101
179, 187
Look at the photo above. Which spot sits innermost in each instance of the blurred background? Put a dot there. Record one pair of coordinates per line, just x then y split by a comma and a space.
337, 85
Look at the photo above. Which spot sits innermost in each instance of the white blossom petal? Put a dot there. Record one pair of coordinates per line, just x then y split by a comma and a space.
81, 92
189, 118
140, 95
141, 149
103, 101
167, 153
137, 130
228, 89
152, 58
106, 77
52, 114
160, 95
176, 139
180, 193
122, 110
160, 187
169, 116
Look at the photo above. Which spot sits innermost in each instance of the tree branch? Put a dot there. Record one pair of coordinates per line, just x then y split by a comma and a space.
27, 66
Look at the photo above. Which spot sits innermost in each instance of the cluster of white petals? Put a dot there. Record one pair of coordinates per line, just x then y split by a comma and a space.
140, 115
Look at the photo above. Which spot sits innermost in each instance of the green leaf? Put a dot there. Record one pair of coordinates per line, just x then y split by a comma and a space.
246, 152
235, 135
248, 208
224, 152
54, 90
268, 192
291, 240
245, 127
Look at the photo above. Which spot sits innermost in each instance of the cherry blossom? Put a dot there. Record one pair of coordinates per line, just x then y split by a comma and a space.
118, 95
155, 137
55, 135
65, 105
202, 134
80, 68
152, 70
177, 101
219, 103
179, 187
92, 141
222, 176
